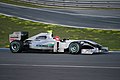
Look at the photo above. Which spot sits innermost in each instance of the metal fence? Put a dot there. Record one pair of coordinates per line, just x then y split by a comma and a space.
76, 3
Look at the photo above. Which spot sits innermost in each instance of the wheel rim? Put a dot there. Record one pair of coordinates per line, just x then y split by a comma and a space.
15, 46
74, 48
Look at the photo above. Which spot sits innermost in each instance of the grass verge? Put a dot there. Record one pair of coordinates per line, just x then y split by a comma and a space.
109, 38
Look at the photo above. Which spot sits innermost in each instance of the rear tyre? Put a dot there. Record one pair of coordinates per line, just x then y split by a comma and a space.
74, 48
16, 46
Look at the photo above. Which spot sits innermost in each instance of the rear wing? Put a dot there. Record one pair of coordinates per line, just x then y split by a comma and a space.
18, 36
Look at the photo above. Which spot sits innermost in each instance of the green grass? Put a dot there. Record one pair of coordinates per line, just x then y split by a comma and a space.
109, 38
22, 3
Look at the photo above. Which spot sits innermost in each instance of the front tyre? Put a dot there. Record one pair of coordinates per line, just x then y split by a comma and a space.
74, 48
16, 46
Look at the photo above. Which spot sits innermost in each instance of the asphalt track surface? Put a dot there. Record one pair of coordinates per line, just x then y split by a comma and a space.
105, 19
45, 66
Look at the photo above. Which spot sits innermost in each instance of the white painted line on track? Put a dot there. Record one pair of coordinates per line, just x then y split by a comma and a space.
60, 66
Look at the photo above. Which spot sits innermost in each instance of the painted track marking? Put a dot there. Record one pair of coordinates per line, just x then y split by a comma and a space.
60, 66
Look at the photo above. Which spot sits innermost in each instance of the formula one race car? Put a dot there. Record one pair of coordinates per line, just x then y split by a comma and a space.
20, 42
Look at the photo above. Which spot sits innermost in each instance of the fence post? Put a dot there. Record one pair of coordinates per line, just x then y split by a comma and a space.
63, 3
76, 3
53, 2
91, 2
108, 4
44, 3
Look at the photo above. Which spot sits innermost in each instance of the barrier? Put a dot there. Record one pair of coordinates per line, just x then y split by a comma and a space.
76, 3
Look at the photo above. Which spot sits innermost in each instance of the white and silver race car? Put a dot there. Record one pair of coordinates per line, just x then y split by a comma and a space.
20, 42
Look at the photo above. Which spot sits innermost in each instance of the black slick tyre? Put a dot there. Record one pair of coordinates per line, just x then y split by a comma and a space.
16, 46
74, 48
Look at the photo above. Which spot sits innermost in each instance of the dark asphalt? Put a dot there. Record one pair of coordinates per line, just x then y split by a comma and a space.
108, 19
45, 66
